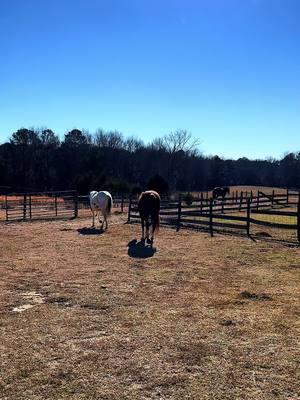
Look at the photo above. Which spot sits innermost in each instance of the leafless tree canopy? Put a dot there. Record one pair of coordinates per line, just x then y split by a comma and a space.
180, 140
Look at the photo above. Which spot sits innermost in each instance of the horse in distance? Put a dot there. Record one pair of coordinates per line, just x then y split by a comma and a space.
149, 206
220, 192
101, 202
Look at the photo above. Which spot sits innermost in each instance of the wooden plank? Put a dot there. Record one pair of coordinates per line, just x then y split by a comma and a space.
48, 213
194, 212
273, 224
232, 226
168, 212
167, 207
275, 212
230, 217
270, 197
196, 222
215, 224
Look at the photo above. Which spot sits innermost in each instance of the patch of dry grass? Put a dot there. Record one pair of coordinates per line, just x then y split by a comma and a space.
175, 325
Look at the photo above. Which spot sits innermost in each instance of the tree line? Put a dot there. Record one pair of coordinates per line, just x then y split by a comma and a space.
36, 159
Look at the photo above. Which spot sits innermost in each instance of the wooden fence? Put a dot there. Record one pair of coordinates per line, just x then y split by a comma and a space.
40, 205
243, 214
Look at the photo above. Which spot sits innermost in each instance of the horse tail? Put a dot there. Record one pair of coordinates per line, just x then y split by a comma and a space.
155, 222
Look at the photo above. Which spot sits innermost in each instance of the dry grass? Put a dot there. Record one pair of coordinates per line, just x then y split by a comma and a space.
200, 318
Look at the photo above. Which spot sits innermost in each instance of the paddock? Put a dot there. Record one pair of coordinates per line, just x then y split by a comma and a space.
86, 315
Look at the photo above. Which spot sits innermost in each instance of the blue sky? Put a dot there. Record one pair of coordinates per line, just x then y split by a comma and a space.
225, 70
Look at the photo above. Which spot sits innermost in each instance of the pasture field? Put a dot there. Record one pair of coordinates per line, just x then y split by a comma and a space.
86, 315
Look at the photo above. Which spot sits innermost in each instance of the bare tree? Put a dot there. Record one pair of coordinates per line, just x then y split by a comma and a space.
48, 138
132, 144
88, 136
113, 139
158, 144
181, 140
100, 138
177, 145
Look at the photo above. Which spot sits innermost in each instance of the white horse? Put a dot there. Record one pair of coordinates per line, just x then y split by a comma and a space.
101, 201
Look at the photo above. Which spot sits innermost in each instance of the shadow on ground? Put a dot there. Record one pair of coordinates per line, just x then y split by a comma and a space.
90, 231
140, 249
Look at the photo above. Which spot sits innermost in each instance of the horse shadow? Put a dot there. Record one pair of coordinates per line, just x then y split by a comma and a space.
140, 249
90, 231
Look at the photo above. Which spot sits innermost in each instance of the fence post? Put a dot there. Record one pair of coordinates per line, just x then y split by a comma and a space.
6, 208
75, 205
257, 202
201, 203
55, 204
129, 208
287, 196
211, 217
273, 195
298, 218
251, 196
122, 202
179, 212
248, 217
29, 206
241, 201
24, 206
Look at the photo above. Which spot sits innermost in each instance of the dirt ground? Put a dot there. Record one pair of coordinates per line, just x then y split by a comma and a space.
91, 315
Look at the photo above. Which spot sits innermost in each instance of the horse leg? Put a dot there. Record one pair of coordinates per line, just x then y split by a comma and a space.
93, 224
147, 229
105, 220
143, 228
153, 223
101, 227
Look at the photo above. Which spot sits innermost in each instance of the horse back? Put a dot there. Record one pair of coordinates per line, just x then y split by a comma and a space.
149, 203
101, 200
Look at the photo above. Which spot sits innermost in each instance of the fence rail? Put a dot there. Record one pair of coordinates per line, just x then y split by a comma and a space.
246, 214
40, 205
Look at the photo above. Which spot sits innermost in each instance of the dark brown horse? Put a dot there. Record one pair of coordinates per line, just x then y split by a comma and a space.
220, 192
149, 206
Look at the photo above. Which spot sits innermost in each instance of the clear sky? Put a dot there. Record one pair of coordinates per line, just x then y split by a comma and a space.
226, 70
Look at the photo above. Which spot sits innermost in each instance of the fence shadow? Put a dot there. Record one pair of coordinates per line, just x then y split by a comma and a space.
90, 231
139, 249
